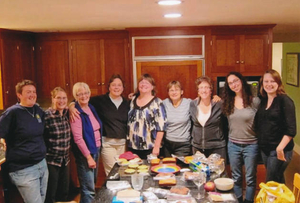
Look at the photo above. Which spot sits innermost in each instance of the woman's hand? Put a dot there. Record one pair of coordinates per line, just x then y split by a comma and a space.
280, 154
130, 95
216, 98
155, 151
91, 161
74, 113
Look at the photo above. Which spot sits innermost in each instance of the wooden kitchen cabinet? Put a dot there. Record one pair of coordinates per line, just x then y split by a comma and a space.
53, 68
248, 54
17, 62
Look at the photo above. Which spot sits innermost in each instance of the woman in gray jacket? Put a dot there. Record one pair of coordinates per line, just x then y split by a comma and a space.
209, 124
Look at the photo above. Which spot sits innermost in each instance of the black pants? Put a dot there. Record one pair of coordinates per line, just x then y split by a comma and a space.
176, 148
58, 183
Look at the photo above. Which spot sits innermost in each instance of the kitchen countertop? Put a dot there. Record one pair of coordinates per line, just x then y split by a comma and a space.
104, 195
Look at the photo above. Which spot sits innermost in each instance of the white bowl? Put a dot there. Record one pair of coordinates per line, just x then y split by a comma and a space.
224, 184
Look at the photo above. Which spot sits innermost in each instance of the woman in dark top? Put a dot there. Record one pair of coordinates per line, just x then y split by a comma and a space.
276, 126
57, 137
208, 121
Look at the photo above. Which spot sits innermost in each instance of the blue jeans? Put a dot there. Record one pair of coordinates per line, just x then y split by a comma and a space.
87, 177
275, 168
32, 182
246, 154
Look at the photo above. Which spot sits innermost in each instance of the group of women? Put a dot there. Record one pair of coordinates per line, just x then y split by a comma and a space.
147, 125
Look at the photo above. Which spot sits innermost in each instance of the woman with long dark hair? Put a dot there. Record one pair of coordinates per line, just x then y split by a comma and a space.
240, 108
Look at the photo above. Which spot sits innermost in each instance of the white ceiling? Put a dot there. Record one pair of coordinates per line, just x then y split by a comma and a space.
84, 15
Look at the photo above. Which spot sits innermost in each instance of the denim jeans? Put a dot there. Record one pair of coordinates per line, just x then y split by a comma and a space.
246, 154
275, 168
87, 177
32, 182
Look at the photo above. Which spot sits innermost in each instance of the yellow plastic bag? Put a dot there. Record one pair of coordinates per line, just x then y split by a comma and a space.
273, 192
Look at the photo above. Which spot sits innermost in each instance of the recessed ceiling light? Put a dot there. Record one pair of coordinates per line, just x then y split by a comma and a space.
169, 2
172, 15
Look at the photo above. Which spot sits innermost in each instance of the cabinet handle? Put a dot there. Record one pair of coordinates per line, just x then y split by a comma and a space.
67, 84
237, 62
103, 83
99, 84
7, 92
242, 62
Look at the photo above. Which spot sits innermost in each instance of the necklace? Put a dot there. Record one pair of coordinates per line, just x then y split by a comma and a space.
32, 114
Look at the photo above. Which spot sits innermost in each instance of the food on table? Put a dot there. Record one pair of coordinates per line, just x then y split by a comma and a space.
169, 160
167, 182
209, 186
129, 171
143, 167
142, 170
128, 155
133, 165
155, 162
122, 161
181, 190
135, 160
128, 193
188, 159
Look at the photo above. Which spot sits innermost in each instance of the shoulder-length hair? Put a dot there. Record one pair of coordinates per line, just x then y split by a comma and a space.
277, 78
150, 79
229, 95
205, 79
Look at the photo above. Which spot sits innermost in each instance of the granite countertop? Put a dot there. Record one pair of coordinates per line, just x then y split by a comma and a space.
104, 195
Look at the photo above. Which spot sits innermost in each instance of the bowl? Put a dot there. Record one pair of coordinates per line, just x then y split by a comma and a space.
224, 184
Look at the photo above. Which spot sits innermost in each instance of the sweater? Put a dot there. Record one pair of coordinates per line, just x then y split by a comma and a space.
114, 119
211, 135
23, 133
275, 122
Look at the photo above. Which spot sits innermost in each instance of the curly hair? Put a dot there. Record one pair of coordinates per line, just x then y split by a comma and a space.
229, 95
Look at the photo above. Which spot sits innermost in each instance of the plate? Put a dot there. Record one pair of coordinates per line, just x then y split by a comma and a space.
165, 168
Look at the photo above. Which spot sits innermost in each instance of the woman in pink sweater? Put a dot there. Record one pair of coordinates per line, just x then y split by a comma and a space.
87, 137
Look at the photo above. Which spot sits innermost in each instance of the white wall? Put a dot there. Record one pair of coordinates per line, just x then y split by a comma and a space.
277, 57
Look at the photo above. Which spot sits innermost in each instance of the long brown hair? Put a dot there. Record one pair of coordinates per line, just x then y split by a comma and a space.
229, 95
277, 78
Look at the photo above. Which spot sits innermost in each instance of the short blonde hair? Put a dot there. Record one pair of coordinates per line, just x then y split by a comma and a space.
79, 85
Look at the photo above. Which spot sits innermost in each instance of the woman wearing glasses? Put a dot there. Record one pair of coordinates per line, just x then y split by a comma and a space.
57, 137
240, 108
208, 121
87, 137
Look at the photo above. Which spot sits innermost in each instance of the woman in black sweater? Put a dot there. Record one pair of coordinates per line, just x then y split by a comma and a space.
276, 126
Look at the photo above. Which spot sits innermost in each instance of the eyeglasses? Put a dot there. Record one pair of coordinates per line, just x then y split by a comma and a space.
233, 82
61, 98
82, 94
204, 88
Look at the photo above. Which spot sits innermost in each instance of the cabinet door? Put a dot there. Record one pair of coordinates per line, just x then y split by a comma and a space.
88, 64
253, 54
11, 72
116, 60
225, 53
26, 54
53, 66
